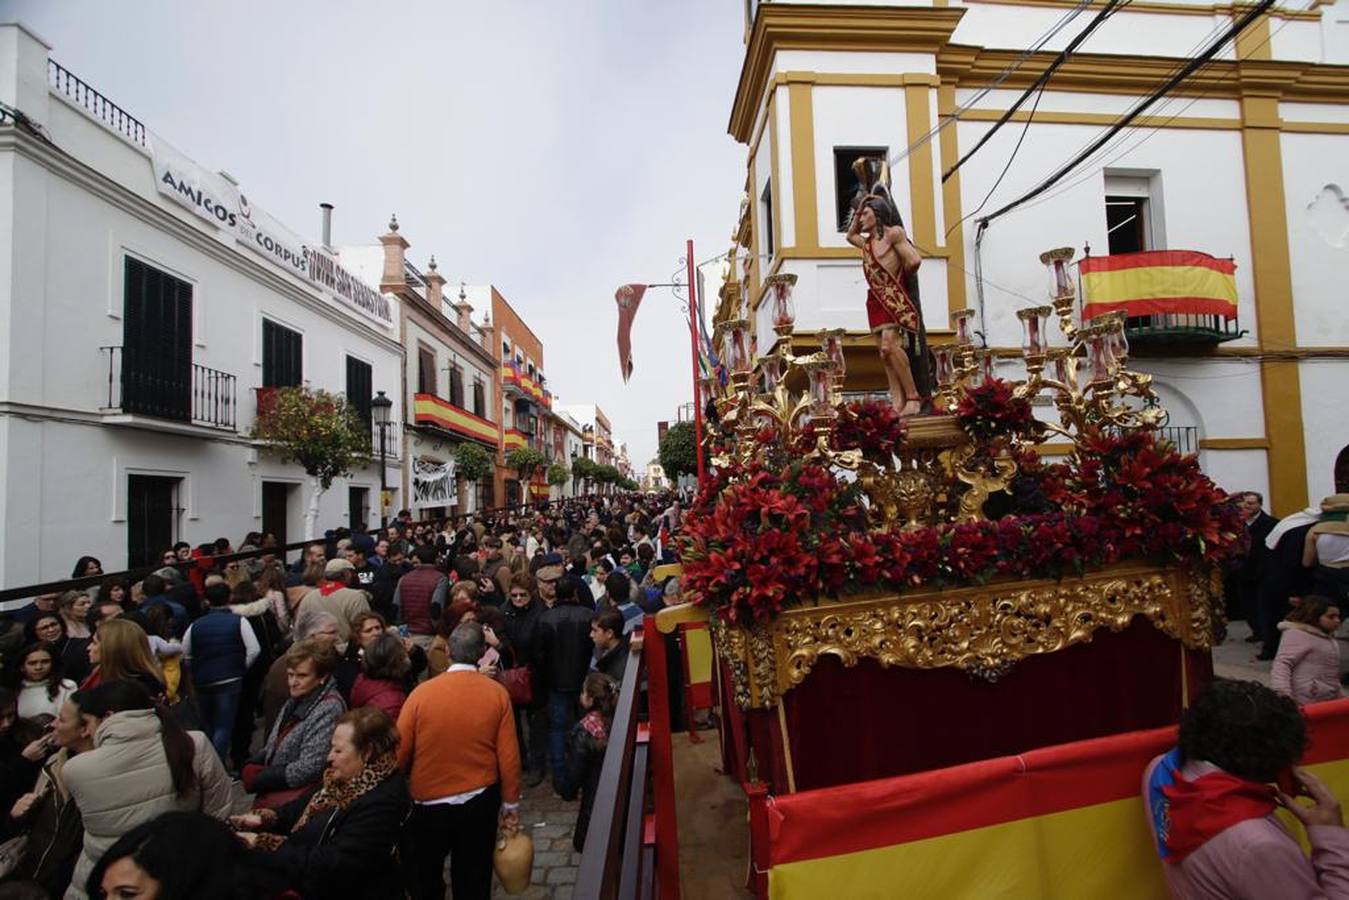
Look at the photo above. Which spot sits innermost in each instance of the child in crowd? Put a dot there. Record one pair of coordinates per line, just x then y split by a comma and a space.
585, 749
1307, 666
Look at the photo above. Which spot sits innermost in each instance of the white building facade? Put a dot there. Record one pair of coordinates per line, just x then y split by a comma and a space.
1246, 162
145, 307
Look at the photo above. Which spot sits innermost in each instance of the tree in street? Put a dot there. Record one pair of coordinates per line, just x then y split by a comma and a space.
678, 452
472, 462
318, 430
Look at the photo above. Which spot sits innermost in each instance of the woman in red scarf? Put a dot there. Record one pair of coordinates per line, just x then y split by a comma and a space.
1211, 803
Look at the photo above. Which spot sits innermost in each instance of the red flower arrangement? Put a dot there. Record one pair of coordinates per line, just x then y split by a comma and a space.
872, 426
990, 410
762, 541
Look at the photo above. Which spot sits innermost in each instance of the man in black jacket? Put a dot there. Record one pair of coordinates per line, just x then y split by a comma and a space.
562, 650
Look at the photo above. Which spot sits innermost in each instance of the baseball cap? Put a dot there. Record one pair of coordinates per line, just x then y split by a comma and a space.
337, 565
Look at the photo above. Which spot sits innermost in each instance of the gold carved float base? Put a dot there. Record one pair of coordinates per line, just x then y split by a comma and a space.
982, 630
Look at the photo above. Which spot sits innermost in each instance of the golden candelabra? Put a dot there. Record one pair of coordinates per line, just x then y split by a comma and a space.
937, 472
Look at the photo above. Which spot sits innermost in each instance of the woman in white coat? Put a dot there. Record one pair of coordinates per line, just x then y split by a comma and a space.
143, 764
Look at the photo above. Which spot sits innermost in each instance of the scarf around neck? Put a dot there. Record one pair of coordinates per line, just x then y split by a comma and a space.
336, 795
1186, 814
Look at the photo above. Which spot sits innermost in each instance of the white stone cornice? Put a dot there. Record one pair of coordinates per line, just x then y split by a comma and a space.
61, 163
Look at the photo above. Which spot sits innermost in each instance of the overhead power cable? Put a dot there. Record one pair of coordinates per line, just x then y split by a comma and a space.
1194, 65
995, 83
1155, 129
1039, 83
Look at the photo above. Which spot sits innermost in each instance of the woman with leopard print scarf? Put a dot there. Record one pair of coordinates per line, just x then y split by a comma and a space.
341, 840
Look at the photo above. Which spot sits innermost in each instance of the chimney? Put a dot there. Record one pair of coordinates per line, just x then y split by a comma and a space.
464, 310
435, 283
326, 215
23, 72
394, 278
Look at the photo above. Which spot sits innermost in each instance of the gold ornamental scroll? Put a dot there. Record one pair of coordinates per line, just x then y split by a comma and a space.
981, 630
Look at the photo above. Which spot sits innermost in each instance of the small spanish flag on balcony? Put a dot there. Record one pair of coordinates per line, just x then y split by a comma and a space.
1159, 282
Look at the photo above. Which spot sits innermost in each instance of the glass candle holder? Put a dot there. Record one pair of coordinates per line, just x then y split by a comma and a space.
831, 345
1032, 318
780, 288
962, 324
820, 382
1058, 263
944, 357
983, 364
1119, 341
772, 371
1058, 358
1099, 358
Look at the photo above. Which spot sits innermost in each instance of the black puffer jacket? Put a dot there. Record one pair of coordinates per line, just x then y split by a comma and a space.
562, 647
348, 852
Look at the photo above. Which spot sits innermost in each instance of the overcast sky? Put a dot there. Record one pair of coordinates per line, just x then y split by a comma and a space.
554, 149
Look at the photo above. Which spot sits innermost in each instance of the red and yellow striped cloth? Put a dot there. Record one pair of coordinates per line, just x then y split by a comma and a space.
1060, 822
1159, 282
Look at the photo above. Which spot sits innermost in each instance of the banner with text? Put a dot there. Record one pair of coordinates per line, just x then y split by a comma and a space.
214, 199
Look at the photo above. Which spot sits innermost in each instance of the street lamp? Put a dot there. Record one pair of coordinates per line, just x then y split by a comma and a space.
573, 470
379, 408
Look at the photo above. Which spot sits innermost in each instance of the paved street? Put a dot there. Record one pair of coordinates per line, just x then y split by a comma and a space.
549, 821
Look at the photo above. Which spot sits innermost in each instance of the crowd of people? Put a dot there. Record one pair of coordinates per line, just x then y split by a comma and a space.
1291, 586
234, 726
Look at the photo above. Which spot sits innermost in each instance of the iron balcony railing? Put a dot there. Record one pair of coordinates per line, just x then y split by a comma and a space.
1181, 329
94, 103
1185, 438
146, 384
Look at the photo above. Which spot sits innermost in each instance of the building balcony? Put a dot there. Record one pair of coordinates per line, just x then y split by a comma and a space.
1160, 331
155, 391
516, 381
435, 412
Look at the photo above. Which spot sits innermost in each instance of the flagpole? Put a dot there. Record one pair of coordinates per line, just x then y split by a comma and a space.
693, 343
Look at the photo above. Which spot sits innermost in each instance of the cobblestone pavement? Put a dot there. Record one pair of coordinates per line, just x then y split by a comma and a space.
1235, 658
549, 820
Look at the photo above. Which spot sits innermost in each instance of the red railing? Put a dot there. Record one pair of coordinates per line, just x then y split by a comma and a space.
632, 844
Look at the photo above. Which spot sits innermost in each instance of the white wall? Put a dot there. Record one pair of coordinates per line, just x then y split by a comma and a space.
65, 230
856, 117
1316, 192
1323, 421
1202, 186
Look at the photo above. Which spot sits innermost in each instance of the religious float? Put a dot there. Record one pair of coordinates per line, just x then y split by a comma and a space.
925, 627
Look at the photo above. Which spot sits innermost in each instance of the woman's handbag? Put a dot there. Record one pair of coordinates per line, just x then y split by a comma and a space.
11, 854
513, 859
519, 683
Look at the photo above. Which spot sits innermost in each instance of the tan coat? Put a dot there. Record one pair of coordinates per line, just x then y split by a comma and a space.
344, 603
125, 782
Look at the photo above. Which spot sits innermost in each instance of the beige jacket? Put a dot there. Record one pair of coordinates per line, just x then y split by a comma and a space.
125, 782
344, 603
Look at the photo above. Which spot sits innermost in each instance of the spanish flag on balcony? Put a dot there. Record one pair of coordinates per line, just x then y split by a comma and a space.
1159, 282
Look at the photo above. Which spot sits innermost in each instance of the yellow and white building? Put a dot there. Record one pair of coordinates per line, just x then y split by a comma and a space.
1245, 159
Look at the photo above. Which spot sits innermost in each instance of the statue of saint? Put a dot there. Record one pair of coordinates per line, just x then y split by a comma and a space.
890, 263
